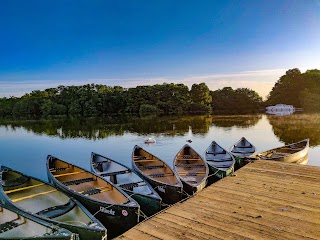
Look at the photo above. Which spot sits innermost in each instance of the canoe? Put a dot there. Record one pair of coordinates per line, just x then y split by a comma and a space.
192, 169
40, 199
130, 182
160, 176
241, 150
220, 161
15, 224
292, 153
116, 210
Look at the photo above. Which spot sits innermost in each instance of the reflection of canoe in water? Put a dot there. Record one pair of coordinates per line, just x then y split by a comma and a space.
40, 199
192, 169
130, 182
220, 161
160, 176
112, 206
292, 153
15, 224
242, 149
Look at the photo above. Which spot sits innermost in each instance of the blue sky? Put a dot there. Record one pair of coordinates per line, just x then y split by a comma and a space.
223, 43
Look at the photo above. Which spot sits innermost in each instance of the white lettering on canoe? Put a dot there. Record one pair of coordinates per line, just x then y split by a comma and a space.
106, 210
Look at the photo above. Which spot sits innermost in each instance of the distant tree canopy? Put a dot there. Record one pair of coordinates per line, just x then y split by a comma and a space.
302, 90
238, 100
101, 100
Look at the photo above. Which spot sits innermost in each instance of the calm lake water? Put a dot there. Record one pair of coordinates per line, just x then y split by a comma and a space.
26, 144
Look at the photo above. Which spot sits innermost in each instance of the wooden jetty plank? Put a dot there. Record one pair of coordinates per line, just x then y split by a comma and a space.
243, 226
264, 200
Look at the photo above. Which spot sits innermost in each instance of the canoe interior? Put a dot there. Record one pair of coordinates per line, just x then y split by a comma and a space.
37, 197
243, 148
13, 225
285, 151
120, 175
190, 166
153, 167
218, 157
85, 182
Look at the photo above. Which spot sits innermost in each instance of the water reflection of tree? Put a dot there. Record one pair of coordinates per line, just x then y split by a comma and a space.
293, 128
243, 121
99, 128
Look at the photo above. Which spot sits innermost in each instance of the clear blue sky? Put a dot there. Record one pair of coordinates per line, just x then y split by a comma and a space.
47, 43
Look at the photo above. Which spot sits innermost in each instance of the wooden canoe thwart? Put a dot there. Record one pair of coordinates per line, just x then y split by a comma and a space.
220, 161
46, 203
158, 174
15, 224
120, 175
192, 169
241, 150
112, 206
293, 153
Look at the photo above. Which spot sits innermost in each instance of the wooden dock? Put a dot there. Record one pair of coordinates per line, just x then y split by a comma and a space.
264, 200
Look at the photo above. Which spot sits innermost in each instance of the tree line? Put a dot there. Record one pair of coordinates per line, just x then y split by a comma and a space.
302, 90
102, 100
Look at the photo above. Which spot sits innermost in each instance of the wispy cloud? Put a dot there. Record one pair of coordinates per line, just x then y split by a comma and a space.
261, 81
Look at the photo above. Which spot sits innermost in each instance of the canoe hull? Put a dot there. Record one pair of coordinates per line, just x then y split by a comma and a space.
159, 175
188, 162
170, 194
111, 216
218, 173
149, 200
116, 218
291, 153
148, 205
191, 190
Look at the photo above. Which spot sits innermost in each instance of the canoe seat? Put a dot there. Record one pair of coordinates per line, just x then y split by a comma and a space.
78, 181
250, 146
57, 169
186, 156
129, 186
115, 173
242, 151
220, 160
190, 165
140, 157
57, 211
215, 153
151, 167
189, 174
9, 225
101, 162
156, 175
296, 148
91, 191
15, 181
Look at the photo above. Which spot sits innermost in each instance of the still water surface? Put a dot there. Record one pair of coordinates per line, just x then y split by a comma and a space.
25, 144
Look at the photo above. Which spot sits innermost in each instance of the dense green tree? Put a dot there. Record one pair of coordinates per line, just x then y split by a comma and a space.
201, 98
238, 100
297, 89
